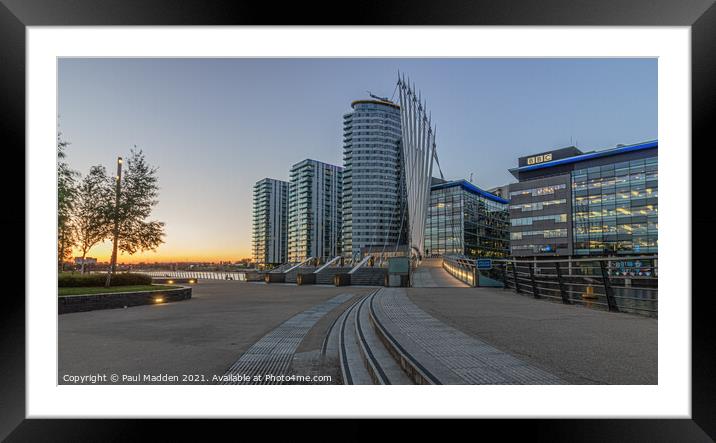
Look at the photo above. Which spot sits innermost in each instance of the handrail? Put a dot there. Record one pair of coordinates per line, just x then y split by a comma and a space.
599, 284
586, 259
328, 263
360, 264
298, 265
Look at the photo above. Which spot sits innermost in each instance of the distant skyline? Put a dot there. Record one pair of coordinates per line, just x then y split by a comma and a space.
214, 127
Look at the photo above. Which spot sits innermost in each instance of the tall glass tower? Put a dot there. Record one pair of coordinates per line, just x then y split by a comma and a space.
270, 222
372, 188
314, 210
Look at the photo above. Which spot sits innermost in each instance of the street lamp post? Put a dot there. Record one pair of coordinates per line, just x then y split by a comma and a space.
115, 231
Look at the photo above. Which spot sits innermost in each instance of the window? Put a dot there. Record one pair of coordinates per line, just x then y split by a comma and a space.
535, 192
616, 211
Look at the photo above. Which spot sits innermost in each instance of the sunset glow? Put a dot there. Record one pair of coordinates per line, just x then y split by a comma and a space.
214, 127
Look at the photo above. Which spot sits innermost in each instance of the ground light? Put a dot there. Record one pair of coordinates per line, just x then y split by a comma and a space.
158, 299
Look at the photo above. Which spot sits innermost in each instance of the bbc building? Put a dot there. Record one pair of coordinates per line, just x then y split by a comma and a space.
573, 203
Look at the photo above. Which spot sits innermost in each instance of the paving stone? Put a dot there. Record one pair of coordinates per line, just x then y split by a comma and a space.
471, 360
273, 353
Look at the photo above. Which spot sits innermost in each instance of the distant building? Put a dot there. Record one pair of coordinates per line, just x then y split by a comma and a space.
568, 202
373, 194
87, 261
465, 220
270, 222
314, 210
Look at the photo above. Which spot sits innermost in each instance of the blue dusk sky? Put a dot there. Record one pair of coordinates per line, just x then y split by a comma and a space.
213, 127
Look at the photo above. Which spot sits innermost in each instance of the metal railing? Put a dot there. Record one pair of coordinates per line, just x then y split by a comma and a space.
461, 268
206, 275
616, 284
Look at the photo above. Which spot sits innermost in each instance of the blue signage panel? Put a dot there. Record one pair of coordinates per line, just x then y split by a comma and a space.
484, 263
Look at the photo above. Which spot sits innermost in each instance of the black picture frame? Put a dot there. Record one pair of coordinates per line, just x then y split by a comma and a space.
700, 15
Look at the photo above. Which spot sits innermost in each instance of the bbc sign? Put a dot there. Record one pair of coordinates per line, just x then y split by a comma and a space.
539, 159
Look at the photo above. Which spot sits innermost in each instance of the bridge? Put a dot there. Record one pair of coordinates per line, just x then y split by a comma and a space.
432, 274
441, 330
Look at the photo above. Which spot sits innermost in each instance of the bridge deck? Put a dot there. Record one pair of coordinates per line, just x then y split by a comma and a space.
430, 274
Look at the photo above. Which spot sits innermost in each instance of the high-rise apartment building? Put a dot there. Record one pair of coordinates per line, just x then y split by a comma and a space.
373, 193
314, 210
270, 222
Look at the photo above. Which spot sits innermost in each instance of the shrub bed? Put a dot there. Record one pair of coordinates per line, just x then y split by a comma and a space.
79, 280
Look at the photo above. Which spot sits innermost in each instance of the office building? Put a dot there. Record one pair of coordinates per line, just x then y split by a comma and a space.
572, 203
501, 191
465, 220
373, 193
314, 210
270, 222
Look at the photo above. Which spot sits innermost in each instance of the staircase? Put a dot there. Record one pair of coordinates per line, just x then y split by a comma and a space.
291, 275
281, 268
325, 277
363, 357
369, 276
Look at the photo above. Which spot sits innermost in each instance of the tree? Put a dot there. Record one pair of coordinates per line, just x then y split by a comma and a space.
136, 194
92, 207
66, 193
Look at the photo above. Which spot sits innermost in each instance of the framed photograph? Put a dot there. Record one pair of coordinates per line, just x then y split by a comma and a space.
251, 219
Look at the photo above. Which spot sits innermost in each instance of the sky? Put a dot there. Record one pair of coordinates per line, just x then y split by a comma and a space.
213, 127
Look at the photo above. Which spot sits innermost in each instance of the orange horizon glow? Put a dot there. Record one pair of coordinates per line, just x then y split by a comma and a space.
103, 253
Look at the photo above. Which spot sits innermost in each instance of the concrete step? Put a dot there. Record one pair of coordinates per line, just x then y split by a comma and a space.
421, 367
369, 277
353, 369
291, 276
382, 367
325, 277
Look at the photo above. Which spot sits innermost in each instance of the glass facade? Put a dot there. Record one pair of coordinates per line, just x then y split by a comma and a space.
372, 189
314, 210
269, 239
615, 209
463, 222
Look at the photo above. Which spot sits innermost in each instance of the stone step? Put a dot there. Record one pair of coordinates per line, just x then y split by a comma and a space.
353, 367
325, 277
381, 365
421, 368
369, 277
290, 277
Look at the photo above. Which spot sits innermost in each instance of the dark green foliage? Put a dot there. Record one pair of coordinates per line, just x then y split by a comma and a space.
66, 194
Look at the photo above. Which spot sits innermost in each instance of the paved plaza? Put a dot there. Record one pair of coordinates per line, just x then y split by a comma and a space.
204, 335
362, 335
575, 343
